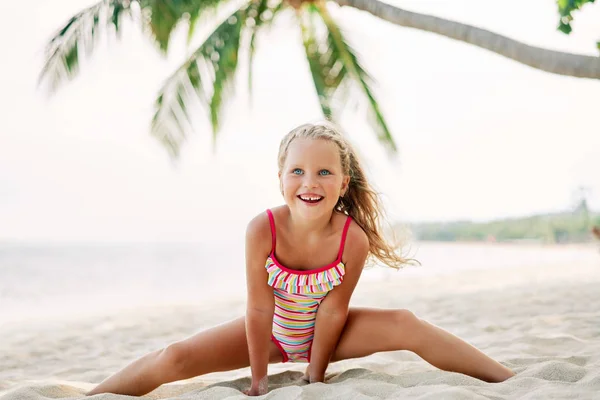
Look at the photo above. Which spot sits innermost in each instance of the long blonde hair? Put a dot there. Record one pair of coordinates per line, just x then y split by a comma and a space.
360, 201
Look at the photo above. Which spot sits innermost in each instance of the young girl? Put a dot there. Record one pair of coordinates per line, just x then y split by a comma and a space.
303, 261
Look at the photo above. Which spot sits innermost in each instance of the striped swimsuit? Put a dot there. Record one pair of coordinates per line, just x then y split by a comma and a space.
298, 295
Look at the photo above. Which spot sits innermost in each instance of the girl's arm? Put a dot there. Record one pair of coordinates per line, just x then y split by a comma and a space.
260, 303
333, 311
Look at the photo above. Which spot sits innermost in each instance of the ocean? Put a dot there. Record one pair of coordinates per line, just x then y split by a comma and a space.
50, 281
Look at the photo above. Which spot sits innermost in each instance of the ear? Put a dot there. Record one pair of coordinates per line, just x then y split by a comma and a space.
280, 183
345, 184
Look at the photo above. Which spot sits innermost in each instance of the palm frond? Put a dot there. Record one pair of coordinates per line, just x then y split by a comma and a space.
224, 60
326, 67
194, 17
354, 70
566, 9
206, 75
165, 15
80, 34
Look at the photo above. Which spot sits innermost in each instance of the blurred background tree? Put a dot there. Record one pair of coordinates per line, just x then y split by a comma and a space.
335, 68
570, 226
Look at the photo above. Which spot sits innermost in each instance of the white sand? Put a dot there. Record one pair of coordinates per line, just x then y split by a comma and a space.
541, 320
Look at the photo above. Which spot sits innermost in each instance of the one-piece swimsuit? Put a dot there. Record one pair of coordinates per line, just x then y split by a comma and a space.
298, 295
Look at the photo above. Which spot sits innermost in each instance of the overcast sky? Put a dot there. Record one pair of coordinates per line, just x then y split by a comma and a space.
480, 136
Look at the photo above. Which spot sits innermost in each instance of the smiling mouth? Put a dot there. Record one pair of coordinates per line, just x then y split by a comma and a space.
310, 199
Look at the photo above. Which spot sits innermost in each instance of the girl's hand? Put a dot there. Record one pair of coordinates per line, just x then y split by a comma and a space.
306, 376
258, 388
311, 377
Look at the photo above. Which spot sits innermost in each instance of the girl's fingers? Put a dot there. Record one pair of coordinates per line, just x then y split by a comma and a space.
306, 376
250, 392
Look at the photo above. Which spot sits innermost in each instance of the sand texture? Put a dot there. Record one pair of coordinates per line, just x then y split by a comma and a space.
543, 321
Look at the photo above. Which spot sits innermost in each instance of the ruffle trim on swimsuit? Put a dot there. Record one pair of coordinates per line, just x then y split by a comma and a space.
304, 283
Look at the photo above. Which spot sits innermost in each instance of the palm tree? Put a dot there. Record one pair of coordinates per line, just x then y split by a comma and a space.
208, 71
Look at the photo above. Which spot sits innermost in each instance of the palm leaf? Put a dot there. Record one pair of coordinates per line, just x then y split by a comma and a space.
165, 15
353, 69
206, 75
327, 69
565, 9
79, 34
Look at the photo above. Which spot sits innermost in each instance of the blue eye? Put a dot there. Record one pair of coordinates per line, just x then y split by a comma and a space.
324, 172
296, 171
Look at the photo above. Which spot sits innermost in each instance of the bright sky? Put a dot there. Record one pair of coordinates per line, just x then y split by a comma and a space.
480, 137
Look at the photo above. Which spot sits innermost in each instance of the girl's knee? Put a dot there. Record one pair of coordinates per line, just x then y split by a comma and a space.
409, 327
406, 319
172, 358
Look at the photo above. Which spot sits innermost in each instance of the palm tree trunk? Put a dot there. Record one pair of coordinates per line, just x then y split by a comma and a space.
556, 62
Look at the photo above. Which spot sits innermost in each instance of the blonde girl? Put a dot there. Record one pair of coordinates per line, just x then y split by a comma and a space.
303, 261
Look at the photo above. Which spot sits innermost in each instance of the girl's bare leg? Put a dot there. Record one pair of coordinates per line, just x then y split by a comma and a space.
369, 331
222, 348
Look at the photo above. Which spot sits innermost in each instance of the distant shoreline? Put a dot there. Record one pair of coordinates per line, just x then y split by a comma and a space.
515, 243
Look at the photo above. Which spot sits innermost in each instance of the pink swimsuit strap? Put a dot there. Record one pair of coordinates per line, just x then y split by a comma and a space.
342, 243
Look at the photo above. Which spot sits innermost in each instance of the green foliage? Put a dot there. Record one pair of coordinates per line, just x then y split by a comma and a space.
165, 15
565, 9
158, 17
326, 68
334, 65
553, 228
207, 73
80, 33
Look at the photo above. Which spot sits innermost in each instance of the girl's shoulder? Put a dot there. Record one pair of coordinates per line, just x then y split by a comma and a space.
258, 231
280, 212
357, 242
259, 227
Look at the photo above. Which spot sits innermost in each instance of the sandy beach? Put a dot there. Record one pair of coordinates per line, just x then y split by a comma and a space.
540, 318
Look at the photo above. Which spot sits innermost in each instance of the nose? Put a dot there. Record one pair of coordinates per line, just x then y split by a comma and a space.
310, 181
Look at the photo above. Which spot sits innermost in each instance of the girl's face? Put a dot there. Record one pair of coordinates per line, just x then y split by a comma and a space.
312, 179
